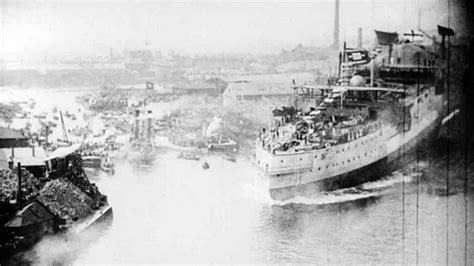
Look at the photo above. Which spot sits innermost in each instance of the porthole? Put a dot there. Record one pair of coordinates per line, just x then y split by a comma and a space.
281, 161
327, 166
319, 168
316, 156
301, 159
258, 162
348, 161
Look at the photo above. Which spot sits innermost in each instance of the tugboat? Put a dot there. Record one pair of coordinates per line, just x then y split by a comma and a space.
91, 161
143, 146
215, 138
354, 131
229, 157
108, 167
221, 143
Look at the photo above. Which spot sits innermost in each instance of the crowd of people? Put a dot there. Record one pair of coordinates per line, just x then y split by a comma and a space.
306, 131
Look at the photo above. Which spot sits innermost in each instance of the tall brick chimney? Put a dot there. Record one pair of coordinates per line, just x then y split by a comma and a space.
335, 43
359, 38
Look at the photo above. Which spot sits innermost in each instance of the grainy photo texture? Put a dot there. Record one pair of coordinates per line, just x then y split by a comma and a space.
235, 132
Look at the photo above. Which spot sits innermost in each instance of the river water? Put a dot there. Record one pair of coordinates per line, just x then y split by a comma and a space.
177, 212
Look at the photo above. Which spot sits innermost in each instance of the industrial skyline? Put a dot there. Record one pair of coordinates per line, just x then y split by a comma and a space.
33, 29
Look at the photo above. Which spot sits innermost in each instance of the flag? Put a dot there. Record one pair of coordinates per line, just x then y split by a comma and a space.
445, 31
386, 38
357, 56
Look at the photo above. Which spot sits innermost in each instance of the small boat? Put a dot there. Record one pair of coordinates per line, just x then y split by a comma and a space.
205, 166
108, 167
41, 115
229, 157
188, 156
91, 162
224, 145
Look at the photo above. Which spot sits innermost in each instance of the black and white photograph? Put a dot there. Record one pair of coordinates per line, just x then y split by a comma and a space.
322, 132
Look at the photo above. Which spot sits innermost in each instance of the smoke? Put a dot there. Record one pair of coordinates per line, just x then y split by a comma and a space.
64, 248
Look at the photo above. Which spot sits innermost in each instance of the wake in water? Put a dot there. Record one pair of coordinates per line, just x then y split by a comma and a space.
369, 190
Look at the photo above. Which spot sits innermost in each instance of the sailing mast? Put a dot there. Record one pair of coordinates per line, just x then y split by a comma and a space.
63, 127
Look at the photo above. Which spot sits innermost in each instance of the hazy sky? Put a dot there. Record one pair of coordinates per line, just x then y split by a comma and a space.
77, 28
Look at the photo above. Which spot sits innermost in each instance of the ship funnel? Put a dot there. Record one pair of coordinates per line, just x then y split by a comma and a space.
148, 126
136, 128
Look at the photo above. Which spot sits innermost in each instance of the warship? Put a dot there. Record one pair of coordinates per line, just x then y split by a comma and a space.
357, 129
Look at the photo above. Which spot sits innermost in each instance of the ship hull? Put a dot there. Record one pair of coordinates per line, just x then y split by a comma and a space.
371, 172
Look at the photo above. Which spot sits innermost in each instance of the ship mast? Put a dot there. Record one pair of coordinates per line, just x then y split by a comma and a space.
63, 127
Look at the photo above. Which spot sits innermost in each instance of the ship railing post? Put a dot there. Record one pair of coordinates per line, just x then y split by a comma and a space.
371, 73
18, 194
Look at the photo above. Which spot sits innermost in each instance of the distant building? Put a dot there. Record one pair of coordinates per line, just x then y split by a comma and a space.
280, 79
10, 138
242, 91
301, 52
194, 88
214, 86
143, 55
67, 73
269, 87
108, 103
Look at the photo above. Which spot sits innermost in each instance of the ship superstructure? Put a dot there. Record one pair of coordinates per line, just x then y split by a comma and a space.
342, 135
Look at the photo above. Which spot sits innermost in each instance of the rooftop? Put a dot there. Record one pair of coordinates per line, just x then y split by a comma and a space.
251, 88
33, 213
23, 155
7, 133
276, 78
